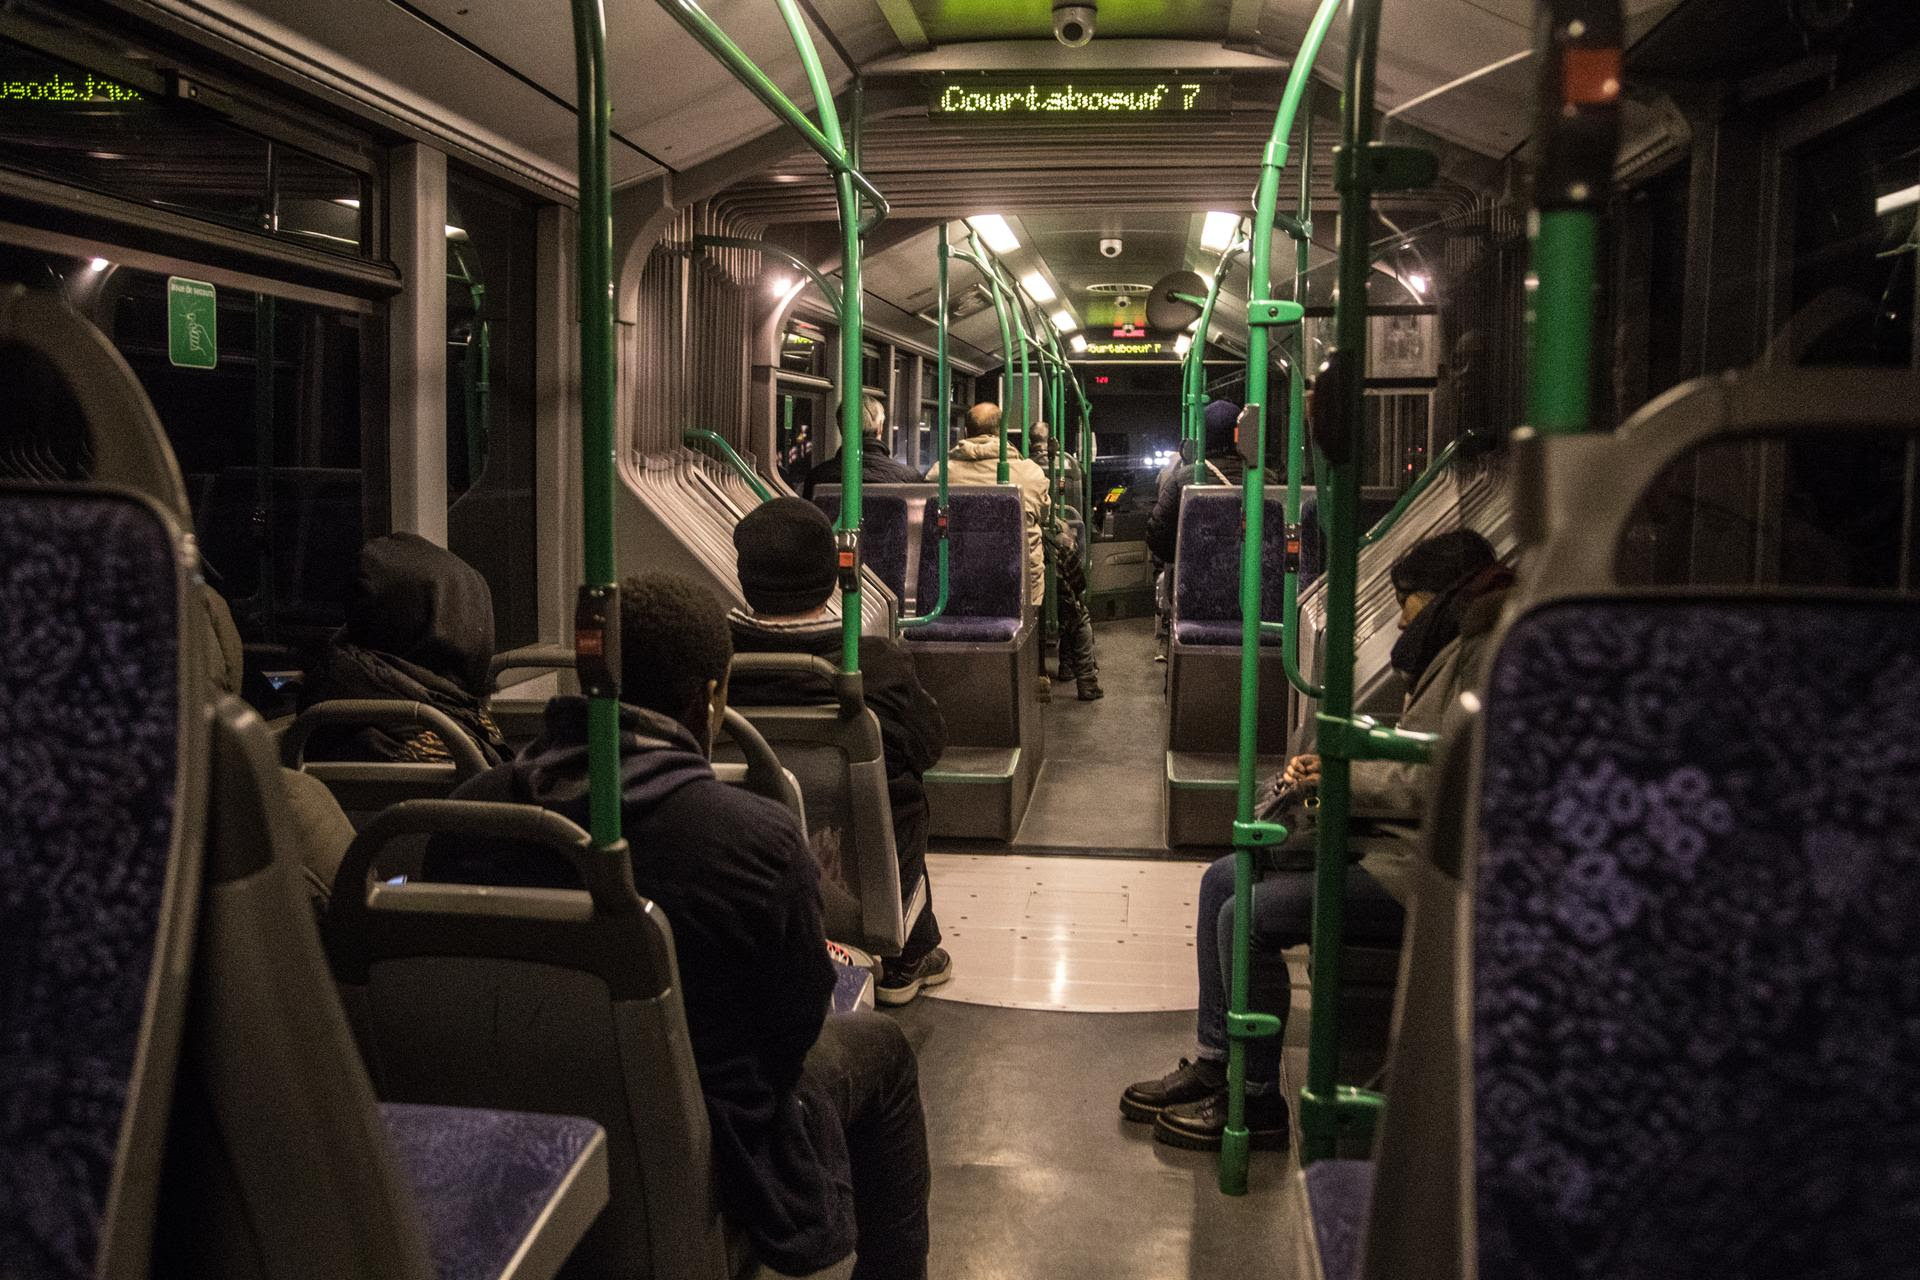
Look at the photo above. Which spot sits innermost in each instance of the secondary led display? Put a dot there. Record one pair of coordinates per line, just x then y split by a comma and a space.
1095, 97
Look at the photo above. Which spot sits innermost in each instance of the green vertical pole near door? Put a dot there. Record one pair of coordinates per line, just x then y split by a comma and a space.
1249, 835
596, 412
1297, 419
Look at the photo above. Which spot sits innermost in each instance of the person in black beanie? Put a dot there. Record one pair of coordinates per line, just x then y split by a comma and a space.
787, 571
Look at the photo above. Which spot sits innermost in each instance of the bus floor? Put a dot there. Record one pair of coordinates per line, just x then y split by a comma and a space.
1035, 1175
1100, 788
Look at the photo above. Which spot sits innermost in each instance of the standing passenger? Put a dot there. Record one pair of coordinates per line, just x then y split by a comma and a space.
1077, 660
817, 1126
877, 466
787, 560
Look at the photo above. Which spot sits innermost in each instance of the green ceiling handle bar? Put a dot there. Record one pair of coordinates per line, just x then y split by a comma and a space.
597, 618
1300, 229
718, 443
1384, 525
977, 260
824, 140
943, 416
1194, 365
1247, 835
828, 289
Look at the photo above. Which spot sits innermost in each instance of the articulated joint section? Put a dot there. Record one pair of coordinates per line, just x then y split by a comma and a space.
1274, 313
1257, 835
1384, 166
1252, 1026
1349, 1113
1364, 738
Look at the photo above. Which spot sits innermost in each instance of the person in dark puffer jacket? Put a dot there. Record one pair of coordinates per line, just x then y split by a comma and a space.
786, 565
818, 1133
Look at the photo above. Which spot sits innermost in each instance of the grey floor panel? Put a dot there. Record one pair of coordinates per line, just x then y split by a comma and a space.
1036, 1175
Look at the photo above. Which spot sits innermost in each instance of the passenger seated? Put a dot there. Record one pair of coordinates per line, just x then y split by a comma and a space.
877, 466
419, 629
976, 460
1451, 589
787, 570
818, 1135
1222, 465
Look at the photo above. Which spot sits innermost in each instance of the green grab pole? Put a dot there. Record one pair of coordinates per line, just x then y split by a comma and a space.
852, 335
943, 414
1241, 1026
1000, 312
1196, 380
597, 462
1302, 232
1384, 525
1565, 255
718, 442
1321, 1114
823, 141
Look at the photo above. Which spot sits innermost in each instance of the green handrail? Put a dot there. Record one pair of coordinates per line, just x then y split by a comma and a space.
1300, 229
944, 414
1193, 368
825, 140
699, 435
1248, 835
1000, 310
794, 260
600, 593
1384, 525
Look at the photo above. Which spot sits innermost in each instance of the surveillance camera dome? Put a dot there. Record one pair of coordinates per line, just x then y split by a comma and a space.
1073, 23
1110, 247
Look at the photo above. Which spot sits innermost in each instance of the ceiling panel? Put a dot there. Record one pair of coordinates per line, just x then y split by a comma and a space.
948, 21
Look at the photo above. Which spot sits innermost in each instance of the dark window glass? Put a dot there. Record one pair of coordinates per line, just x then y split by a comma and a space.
803, 348
269, 441
873, 373
64, 122
1855, 238
1831, 511
801, 413
490, 398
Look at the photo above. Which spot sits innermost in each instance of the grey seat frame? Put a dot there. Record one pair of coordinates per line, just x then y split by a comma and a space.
364, 787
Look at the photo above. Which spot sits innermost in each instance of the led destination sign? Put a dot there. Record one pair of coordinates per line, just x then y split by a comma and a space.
1097, 97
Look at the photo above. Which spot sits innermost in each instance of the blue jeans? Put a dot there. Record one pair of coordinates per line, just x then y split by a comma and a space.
1282, 918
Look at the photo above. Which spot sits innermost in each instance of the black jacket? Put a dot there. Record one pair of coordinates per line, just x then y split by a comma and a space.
911, 727
1163, 526
742, 892
877, 466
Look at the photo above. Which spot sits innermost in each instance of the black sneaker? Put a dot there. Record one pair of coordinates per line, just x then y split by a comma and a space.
1197, 1126
1089, 689
1144, 1100
901, 983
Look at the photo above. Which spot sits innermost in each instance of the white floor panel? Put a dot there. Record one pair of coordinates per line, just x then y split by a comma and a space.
1084, 935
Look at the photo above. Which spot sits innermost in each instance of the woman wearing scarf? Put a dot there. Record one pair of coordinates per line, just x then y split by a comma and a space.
419, 629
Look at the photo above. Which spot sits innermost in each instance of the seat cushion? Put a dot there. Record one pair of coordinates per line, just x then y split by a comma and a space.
1214, 633
483, 1179
986, 554
966, 630
1206, 582
1697, 974
1338, 1193
89, 758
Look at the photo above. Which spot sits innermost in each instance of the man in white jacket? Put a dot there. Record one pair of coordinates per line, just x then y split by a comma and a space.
976, 460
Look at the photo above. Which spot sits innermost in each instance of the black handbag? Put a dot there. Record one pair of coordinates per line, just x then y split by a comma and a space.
1296, 808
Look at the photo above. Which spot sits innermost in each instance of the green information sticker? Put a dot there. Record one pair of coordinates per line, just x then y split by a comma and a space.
193, 338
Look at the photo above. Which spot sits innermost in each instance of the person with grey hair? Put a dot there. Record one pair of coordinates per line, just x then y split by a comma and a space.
877, 466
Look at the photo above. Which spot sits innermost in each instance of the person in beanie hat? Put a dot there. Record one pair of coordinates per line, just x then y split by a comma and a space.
787, 573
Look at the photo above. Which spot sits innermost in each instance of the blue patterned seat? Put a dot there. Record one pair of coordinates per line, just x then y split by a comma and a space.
1206, 579
883, 533
1696, 987
1338, 1194
96, 873
986, 569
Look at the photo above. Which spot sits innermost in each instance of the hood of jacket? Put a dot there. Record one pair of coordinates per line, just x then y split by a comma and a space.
982, 449
425, 606
657, 757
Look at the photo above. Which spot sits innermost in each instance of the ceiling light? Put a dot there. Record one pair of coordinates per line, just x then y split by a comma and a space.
1037, 287
456, 233
1183, 344
1217, 232
1895, 200
98, 265
994, 230
1418, 283
1078, 342
1063, 321
780, 284
348, 202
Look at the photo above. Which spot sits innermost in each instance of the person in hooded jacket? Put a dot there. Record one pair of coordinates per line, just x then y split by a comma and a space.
976, 460
419, 629
1077, 661
1451, 589
819, 1141
1222, 464
877, 466
787, 571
